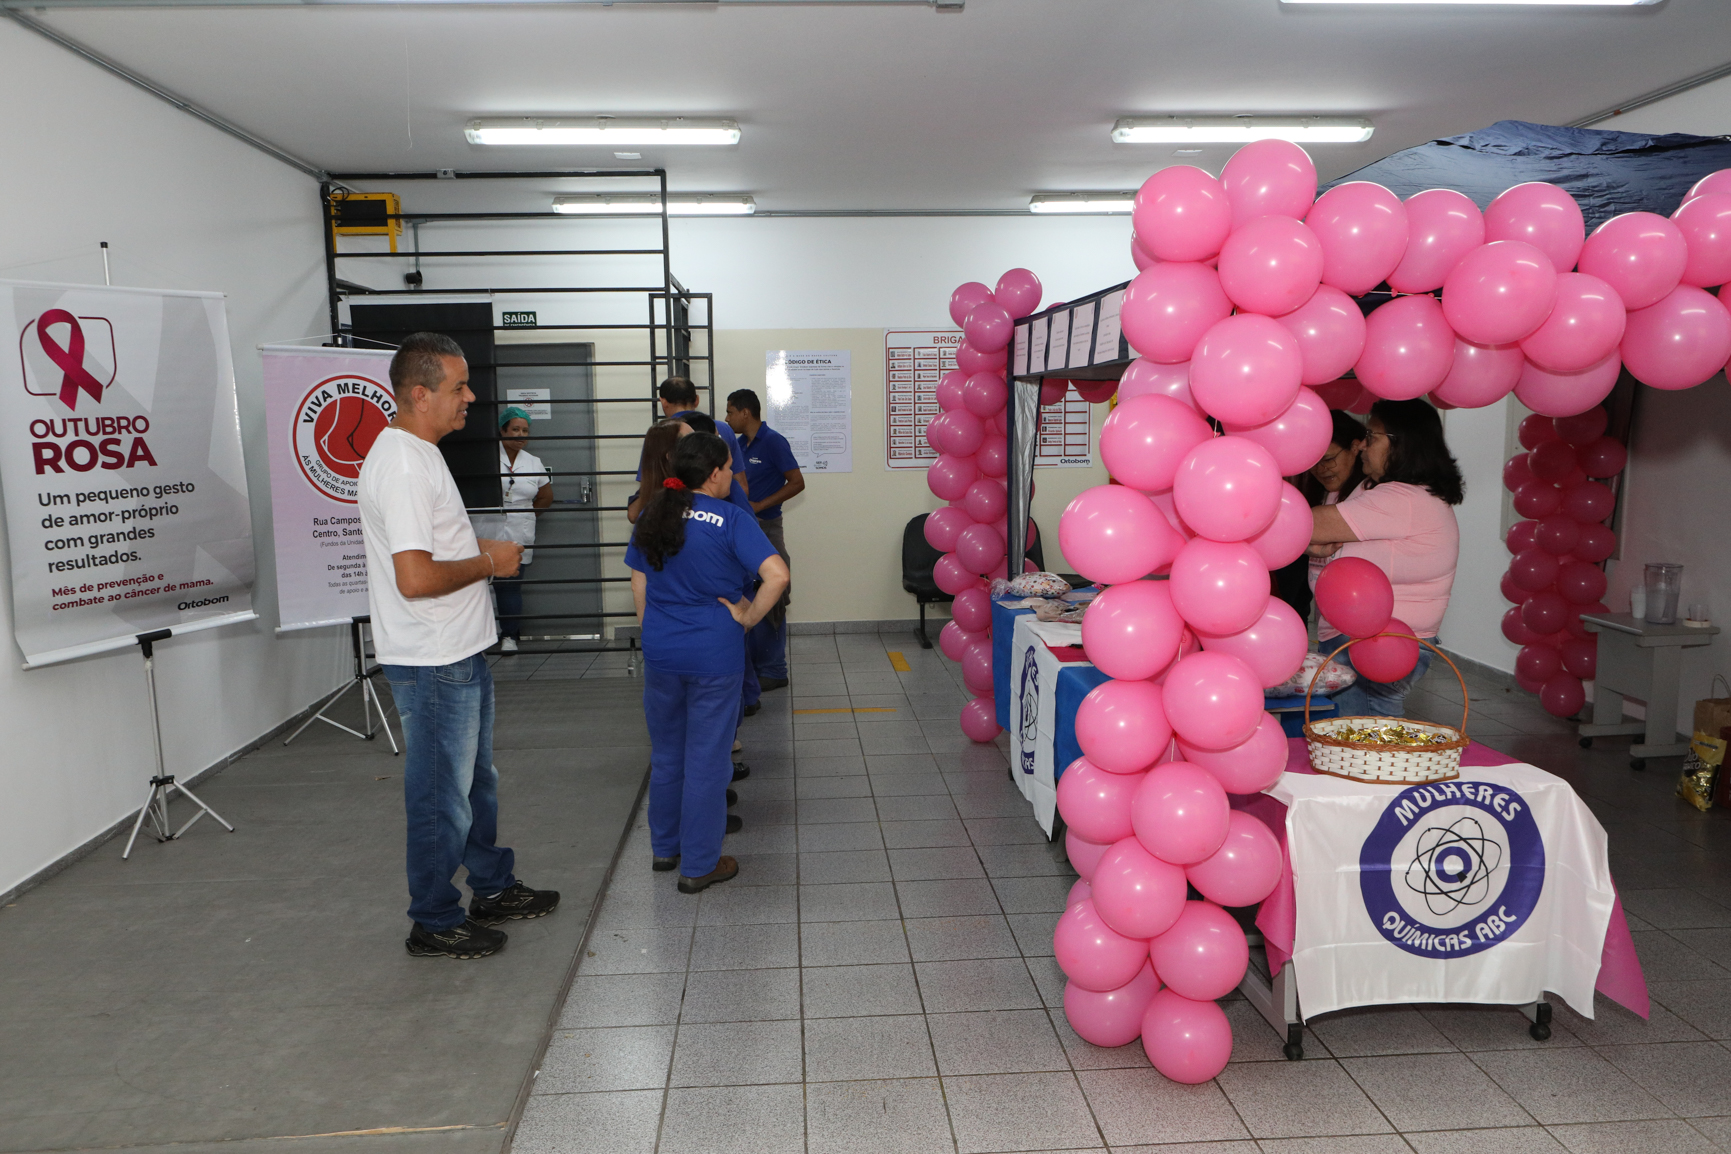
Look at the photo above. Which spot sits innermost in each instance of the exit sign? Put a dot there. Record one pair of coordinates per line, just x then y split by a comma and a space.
520, 320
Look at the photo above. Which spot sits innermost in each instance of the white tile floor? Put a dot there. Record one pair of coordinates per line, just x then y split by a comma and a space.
879, 976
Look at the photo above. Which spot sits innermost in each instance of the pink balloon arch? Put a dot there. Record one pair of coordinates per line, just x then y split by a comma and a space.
1242, 311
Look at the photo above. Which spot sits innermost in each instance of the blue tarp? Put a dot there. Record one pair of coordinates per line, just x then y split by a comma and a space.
1607, 173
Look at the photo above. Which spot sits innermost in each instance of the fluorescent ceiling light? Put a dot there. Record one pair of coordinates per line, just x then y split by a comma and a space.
1082, 202
645, 204
1241, 129
1504, 3
602, 131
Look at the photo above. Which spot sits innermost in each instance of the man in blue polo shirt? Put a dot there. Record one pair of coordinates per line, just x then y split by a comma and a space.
772, 478
678, 398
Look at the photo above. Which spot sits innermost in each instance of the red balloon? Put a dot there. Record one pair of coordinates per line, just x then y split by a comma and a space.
1537, 662
1581, 583
1523, 535
1518, 472
1581, 657
1538, 500
1536, 430
1387, 657
1355, 596
1533, 570
1604, 457
1545, 613
1589, 501
1512, 592
1596, 544
1577, 629
1562, 695
1582, 428
1528, 683
1558, 534
1552, 460
1516, 630
1339, 394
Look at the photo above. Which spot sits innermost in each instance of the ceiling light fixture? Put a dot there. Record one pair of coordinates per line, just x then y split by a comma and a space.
603, 131
1241, 129
1082, 202
645, 204
1501, 3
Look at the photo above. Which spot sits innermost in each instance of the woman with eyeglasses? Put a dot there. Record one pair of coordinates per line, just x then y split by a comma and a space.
1402, 519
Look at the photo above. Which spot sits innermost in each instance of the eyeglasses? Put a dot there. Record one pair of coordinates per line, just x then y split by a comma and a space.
1333, 457
1380, 433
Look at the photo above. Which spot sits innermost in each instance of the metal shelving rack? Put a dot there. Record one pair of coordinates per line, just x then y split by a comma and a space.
678, 326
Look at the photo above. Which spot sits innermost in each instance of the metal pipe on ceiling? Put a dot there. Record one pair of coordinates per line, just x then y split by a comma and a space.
40, 5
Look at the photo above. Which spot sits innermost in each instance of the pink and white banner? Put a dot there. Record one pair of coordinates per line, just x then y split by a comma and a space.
323, 410
126, 498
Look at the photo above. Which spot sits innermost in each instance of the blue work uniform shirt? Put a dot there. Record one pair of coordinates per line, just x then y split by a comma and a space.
725, 432
685, 629
768, 461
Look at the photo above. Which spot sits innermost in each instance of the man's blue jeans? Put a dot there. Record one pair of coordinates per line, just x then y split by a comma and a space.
691, 720
450, 788
766, 648
1366, 698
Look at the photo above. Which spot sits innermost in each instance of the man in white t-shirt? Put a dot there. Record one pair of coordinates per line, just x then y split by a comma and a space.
432, 623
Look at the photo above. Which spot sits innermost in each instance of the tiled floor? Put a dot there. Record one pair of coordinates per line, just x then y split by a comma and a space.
879, 977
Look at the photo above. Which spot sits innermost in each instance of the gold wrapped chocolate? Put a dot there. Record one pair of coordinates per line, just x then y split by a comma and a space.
1389, 735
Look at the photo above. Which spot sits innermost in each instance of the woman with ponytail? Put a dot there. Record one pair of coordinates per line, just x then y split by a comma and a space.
692, 552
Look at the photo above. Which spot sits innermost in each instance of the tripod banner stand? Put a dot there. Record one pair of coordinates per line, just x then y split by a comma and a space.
120, 454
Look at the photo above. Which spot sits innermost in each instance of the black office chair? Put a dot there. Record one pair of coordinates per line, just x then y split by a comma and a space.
918, 559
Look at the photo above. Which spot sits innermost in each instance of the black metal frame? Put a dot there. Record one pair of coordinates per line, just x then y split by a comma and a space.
669, 326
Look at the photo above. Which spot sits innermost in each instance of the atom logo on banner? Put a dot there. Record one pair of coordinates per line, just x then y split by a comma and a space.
335, 426
68, 360
1466, 883
1028, 702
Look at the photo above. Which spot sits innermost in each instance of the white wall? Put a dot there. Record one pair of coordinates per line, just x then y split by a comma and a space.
1473, 625
90, 158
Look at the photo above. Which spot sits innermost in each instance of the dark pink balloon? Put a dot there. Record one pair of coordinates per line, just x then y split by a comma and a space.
1639, 254
1536, 662
980, 548
1706, 225
1585, 325
950, 575
1533, 570
1605, 457
963, 300
1269, 178
1564, 394
1581, 583
1442, 226
1557, 535
1534, 430
1517, 472
1389, 656
979, 720
1271, 265
1480, 375
1522, 535
993, 457
1181, 214
1541, 215
1679, 342
1408, 348
1500, 292
1355, 596
1545, 613
1515, 630
986, 500
1363, 231
1246, 369
1589, 502
1329, 328
1582, 428
973, 610
1167, 308
1552, 461
1538, 500
1562, 696
1597, 543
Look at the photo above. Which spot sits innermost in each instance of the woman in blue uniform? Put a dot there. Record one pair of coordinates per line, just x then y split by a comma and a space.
692, 552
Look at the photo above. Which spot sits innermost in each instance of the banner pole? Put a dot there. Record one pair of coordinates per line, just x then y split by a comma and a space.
369, 696
156, 802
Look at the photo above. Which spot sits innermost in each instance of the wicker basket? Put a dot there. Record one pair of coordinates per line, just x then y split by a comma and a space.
1385, 764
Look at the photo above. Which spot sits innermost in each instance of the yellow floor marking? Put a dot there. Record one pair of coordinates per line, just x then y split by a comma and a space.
899, 663
866, 709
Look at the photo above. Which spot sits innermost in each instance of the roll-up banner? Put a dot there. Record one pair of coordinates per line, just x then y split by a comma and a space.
323, 410
120, 456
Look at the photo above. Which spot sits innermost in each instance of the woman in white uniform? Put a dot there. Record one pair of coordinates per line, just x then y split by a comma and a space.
527, 490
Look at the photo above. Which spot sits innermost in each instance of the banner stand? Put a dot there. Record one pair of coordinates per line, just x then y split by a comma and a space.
156, 803
369, 696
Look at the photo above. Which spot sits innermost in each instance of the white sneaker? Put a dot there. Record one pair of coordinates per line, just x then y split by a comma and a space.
508, 645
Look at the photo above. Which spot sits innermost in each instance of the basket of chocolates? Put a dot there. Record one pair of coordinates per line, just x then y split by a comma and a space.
1391, 750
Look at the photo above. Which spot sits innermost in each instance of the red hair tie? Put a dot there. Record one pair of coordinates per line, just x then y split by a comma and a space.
673, 483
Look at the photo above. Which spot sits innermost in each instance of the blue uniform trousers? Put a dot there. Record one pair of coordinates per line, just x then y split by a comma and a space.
691, 722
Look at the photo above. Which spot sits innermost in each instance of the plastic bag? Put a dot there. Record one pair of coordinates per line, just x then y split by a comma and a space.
1335, 678
1030, 585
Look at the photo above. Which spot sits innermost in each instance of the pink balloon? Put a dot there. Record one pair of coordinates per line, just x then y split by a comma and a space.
1271, 265
1181, 214
1227, 489
1144, 440
1541, 215
1137, 894
1480, 375
1269, 178
1564, 394
1096, 804
1273, 648
984, 394
1180, 813
1112, 1018
993, 457
977, 667
1408, 349
1122, 727
1131, 631
1167, 308
1246, 867
1112, 533
1213, 700
970, 360
1246, 369
1139, 256
1203, 955
973, 610
1386, 658
1584, 327
966, 431
1248, 767
1605, 457
1362, 405
942, 527
1079, 890
1329, 328
1019, 292
1363, 231
979, 720
1084, 855
953, 640
1355, 596
1144, 378
987, 500
1219, 586
988, 327
1442, 226
963, 300
950, 575
1719, 181
1500, 292
1288, 535
1297, 438
1163, 502
1706, 224
1091, 953
1641, 255
1679, 342
980, 548
950, 389
1188, 1041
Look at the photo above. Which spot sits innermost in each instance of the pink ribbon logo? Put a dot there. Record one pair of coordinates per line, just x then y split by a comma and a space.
69, 360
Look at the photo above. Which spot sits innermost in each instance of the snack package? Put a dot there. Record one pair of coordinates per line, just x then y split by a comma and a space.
1335, 678
1030, 585
1701, 778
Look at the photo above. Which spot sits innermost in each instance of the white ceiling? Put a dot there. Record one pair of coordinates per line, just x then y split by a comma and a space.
894, 106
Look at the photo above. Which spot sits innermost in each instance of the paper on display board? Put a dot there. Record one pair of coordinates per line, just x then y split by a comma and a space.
323, 410
1082, 336
1107, 330
120, 456
914, 361
808, 398
1058, 345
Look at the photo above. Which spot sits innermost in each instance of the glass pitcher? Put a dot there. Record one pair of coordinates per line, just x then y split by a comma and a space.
1664, 582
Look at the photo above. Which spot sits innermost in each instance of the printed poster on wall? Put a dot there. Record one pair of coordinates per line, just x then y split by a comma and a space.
808, 398
120, 455
914, 361
323, 410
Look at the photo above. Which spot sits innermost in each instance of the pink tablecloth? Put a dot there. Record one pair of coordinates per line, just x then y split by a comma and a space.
1620, 977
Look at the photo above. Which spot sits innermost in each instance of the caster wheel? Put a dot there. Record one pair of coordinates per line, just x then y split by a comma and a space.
1637, 763
1294, 1051
1540, 1031
1586, 743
